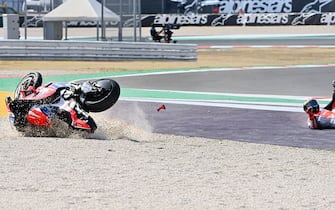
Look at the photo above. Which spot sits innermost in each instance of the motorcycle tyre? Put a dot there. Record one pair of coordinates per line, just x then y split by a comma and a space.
32, 79
93, 105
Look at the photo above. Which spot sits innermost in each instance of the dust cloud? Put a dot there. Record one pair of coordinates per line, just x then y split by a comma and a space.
138, 128
131, 123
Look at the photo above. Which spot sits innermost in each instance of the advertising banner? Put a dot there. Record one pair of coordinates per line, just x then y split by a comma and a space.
254, 6
248, 13
264, 19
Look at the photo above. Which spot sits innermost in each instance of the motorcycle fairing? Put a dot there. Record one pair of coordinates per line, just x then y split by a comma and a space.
76, 121
43, 115
43, 92
37, 117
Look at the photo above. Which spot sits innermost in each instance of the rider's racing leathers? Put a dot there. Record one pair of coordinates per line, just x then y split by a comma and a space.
323, 119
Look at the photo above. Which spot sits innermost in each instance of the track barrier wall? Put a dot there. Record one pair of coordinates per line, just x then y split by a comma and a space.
95, 51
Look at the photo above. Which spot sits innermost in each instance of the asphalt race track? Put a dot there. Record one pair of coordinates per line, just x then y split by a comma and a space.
249, 125
270, 42
238, 123
280, 40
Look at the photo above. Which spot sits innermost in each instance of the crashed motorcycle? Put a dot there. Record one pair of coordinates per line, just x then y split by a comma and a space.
58, 109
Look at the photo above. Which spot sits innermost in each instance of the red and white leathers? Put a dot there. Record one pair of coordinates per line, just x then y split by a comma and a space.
324, 118
321, 120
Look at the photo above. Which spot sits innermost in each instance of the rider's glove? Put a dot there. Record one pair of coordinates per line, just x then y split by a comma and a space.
309, 110
310, 113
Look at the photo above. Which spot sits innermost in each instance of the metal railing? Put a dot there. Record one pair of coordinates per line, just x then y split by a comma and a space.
94, 51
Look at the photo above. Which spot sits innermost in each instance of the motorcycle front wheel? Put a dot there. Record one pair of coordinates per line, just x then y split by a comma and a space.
104, 95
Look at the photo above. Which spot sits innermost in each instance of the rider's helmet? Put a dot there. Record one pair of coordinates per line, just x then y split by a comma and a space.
313, 105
